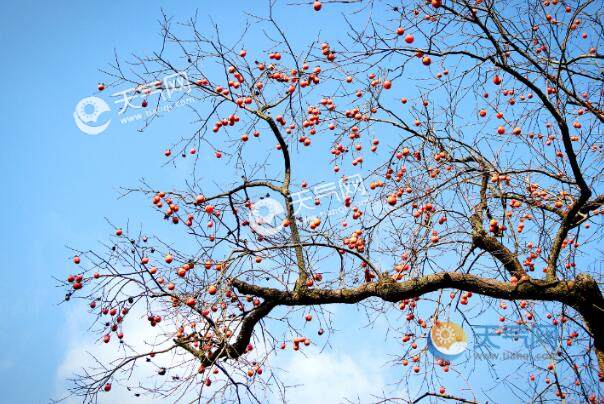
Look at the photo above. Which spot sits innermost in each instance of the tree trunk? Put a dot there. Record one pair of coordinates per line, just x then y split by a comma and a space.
590, 304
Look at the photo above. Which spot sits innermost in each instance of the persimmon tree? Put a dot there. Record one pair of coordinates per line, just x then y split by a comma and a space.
476, 129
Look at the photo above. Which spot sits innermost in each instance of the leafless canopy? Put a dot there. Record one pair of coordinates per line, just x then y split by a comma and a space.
475, 128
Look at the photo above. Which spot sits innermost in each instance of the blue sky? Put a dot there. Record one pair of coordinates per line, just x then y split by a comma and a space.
60, 184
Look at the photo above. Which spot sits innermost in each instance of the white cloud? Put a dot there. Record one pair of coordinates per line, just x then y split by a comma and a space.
331, 377
341, 375
81, 344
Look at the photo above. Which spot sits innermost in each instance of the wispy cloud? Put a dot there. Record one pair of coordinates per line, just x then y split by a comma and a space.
329, 376
81, 346
332, 377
